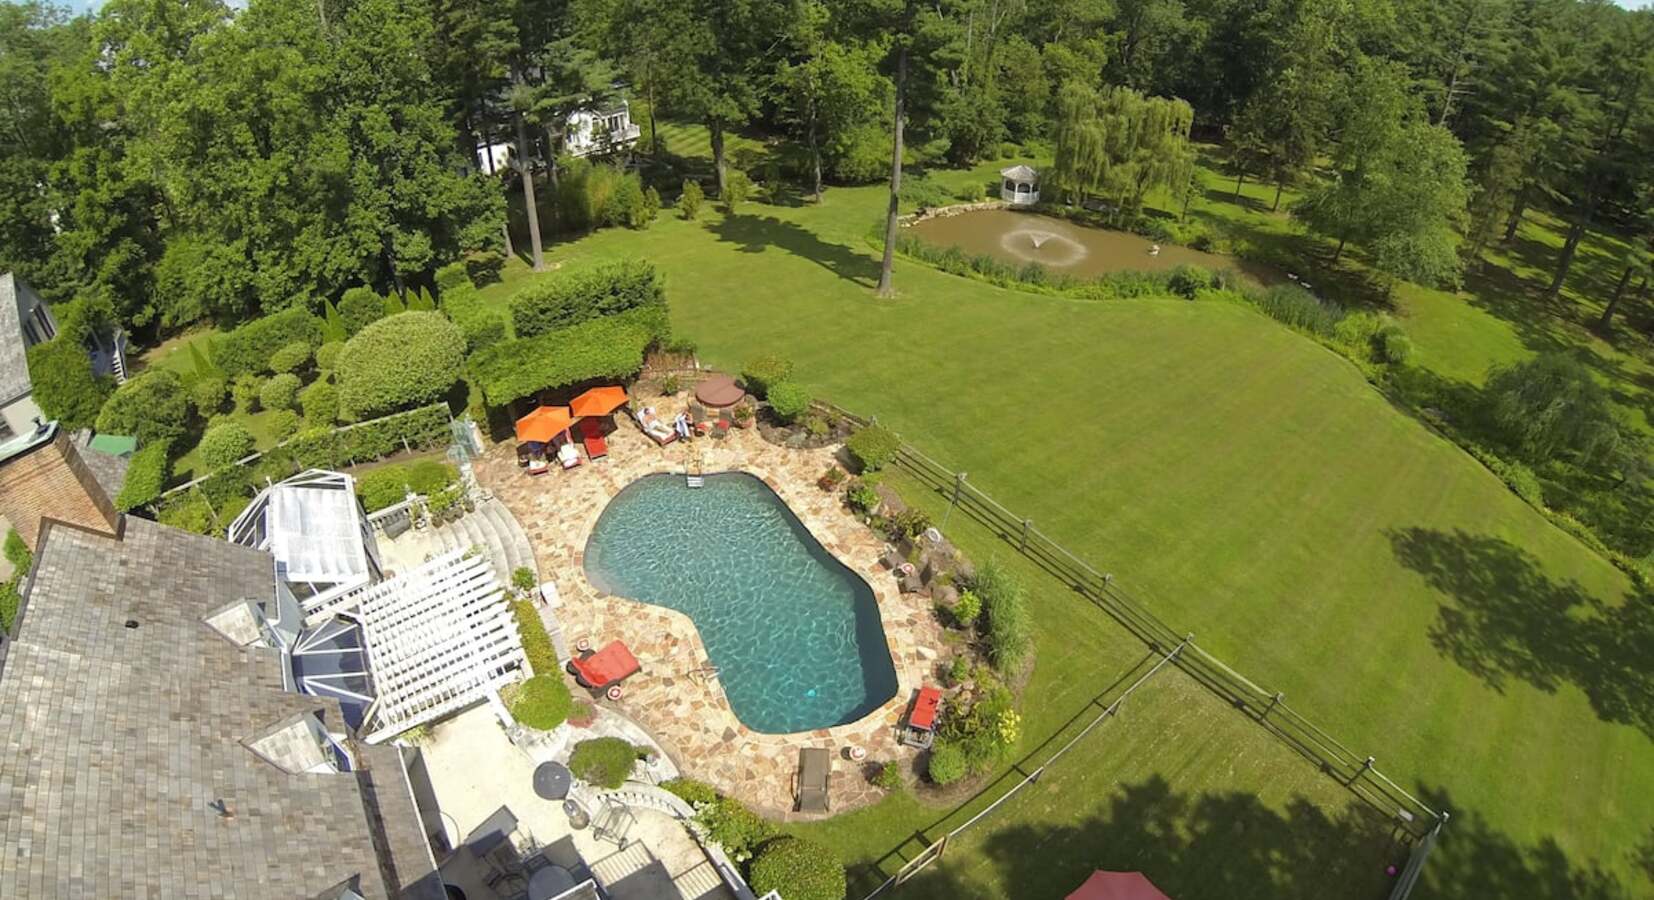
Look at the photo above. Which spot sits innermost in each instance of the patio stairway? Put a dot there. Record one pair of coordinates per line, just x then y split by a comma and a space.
492, 528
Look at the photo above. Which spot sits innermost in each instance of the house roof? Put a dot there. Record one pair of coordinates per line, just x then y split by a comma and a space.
14, 362
125, 768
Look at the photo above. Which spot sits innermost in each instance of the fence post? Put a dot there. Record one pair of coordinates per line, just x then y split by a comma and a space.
1272, 701
958, 487
1365, 768
1026, 524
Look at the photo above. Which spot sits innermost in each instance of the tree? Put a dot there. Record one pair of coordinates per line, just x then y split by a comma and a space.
64, 387
152, 406
832, 89
1120, 144
225, 445
1551, 405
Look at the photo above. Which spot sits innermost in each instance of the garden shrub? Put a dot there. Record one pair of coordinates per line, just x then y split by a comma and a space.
889, 777
606, 762
923, 193
333, 325
284, 423
537, 646
734, 827
1357, 332
695, 793
542, 702
146, 476
452, 276
958, 670
737, 189
522, 578
65, 388
967, 608
628, 205
10, 600
909, 523
208, 395
789, 400
689, 202
1548, 406
327, 355
571, 298
190, 514
975, 192
152, 406
280, 392
1008, 629
359, 308
17, 552
485, 266
862, 497
291, 357
873, 447
248, 349
1393, 345
389, 485
763, 371
399, 362
610, 347
320, 402
803, 869
245, 391
392, 304
224, 445
1186, 281
947, 763
858, 155
482, 325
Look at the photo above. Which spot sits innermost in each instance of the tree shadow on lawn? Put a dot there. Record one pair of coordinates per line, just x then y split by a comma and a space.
754, 234
1509, 620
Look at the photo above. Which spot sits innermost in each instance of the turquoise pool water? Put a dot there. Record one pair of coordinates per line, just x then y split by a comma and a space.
795, 634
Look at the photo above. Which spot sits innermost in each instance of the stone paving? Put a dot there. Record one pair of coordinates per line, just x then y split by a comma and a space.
689, 715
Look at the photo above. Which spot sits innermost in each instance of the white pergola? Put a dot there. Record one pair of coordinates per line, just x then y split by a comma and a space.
1019, 185
315, 528
439, 638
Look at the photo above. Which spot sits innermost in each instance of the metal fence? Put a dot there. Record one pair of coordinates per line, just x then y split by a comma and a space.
1356, 772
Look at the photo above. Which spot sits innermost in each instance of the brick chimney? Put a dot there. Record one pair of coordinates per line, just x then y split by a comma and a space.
42, 476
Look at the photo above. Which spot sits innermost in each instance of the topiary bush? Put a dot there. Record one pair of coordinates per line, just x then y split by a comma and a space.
284, 423
327, 355
244, 392
543, 702
208, 396
689, 202
320, 402
789, 400
947, 763
248, 349
605, 762
152, 406
291, 357
873, 447
799, 870
146, 476
400, 362
763, 371
280, 392
223, 445
360, 307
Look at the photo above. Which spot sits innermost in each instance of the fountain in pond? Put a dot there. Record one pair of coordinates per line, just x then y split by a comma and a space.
1039, 238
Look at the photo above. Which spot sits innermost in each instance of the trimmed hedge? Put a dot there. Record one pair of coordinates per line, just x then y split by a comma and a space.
873, 447
605, 762
483, 325
543, 702
400, 362
146, 476
765, 372
359, 308
789, 400
249, 349
452, 276
291, 357
803, 869
542, 656
152, 406
562, 301
328, 448
223, 445
389, 485
280, 392
610, 347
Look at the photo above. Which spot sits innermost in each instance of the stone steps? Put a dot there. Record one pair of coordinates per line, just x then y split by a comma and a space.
491, 528
700, 883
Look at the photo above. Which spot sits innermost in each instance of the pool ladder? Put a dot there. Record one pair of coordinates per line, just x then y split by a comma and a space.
705, 674
696, 481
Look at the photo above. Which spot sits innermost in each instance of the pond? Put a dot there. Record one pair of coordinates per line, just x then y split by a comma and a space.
1078, 250
796, 635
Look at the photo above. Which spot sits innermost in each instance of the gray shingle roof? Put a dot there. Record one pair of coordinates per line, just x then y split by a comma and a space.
117, 743
14, 363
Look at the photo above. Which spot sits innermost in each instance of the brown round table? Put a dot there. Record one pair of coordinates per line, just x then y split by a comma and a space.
719, 391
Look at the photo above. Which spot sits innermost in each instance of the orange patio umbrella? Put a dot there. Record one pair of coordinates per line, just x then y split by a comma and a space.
599, 401
544, 423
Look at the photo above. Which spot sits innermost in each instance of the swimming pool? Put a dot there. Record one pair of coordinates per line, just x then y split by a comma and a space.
795, 634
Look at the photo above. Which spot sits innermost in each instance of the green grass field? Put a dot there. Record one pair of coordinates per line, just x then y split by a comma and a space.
1255, 490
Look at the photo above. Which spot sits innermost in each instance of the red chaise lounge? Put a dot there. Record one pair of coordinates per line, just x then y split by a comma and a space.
591, 434
605, 668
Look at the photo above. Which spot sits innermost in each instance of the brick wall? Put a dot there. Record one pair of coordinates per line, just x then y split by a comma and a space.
52, 481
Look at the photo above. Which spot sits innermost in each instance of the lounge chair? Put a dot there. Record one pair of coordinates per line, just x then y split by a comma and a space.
568, 456
815, 770
651, 425
609, 666
537, 465
591, 435
921, 719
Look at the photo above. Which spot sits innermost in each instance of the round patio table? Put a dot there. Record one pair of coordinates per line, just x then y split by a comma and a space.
719, 391
551, 781
549, 882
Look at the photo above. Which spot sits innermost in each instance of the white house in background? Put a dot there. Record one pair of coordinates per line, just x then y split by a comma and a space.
601, 130
493, 157
26, 320
1019, 185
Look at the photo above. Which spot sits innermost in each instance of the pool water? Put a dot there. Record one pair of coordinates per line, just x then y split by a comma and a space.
795, 634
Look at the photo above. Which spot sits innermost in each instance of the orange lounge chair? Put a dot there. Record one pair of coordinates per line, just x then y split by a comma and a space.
591, 435
609, 666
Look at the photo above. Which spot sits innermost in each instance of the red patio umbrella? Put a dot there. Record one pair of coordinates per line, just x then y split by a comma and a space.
599, 401
1117, 886
544, 423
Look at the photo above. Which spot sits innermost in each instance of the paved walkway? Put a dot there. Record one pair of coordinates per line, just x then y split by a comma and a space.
688, 715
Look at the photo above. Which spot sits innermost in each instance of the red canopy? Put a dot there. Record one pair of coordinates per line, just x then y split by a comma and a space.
613, 663
599, 401
924, 708
544, 423
1117, 886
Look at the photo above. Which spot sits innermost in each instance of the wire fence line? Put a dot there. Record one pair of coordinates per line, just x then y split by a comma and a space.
1356, 772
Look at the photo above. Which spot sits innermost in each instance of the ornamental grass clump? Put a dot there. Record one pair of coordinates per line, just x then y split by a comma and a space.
1008, 626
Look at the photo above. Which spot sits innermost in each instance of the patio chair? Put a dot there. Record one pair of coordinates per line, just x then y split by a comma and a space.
651, 425
699, 419
815, 771
609, 666
568, 456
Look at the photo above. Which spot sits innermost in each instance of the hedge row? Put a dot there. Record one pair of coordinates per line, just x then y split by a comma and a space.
482, 325
146, 476
248, 349
399, 362
610, 347
580, 296
537, 646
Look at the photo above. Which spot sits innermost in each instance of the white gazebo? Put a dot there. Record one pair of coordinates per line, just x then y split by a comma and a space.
1020, 185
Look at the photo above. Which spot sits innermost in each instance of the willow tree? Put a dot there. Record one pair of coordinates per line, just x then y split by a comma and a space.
1120, 145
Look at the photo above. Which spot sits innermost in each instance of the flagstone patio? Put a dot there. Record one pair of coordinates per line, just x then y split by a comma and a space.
687, 714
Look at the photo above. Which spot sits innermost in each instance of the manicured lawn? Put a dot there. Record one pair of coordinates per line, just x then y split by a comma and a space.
1252, 488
